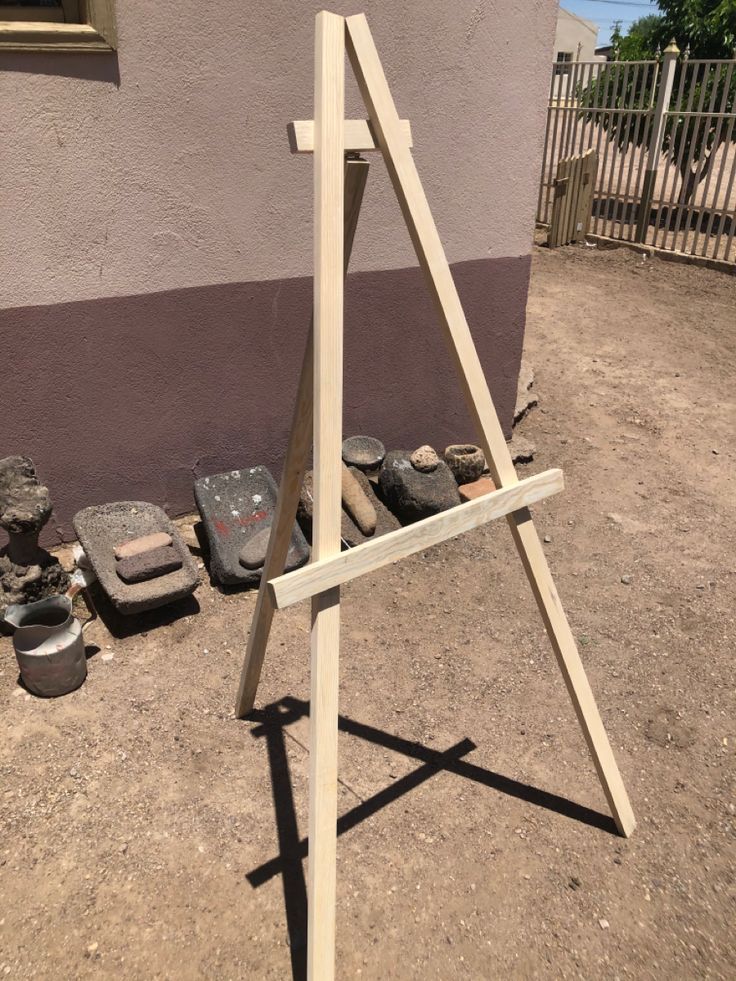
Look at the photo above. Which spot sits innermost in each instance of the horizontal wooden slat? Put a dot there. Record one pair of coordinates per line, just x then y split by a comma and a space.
320, 576
359, 137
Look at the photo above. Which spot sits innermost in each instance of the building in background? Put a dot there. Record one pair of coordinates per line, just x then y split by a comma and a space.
156, 234
575, 40
575, 37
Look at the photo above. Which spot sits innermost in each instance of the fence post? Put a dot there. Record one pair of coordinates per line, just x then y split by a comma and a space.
654, 150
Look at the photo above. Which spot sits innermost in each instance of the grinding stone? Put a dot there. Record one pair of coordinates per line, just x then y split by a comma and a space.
148, 565
253, 553
235, 507
102, 527
145, 544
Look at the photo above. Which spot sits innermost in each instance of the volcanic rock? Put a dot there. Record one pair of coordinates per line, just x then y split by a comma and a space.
424, 459
466, 461
27, 571
235, 507
150, 564
413, 495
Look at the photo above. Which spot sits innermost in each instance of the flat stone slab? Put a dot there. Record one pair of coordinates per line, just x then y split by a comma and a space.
235, 507
102, 527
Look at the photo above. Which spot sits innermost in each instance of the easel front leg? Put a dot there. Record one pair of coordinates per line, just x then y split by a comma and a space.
329, 111
295, 463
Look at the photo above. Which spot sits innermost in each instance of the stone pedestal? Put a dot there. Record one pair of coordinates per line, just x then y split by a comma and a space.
27, 571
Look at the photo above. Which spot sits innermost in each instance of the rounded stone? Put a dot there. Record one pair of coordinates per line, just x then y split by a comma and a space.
466, 461
424, 459
253, 553
363, 452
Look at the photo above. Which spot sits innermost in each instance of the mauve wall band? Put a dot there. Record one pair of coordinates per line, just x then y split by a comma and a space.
134, 397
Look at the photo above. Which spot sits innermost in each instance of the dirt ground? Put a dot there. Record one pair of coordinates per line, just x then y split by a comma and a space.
147, 834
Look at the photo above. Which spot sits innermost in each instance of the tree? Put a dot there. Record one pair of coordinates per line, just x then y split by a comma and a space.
703, 29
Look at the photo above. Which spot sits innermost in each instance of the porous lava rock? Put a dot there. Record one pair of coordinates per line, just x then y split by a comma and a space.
413, 495
424, 459
149, 564
27, 571
466, 461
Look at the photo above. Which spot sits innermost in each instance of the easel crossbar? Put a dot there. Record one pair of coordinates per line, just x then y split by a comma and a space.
320, 576
359, 136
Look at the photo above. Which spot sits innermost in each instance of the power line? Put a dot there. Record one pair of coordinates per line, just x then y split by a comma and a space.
623, 3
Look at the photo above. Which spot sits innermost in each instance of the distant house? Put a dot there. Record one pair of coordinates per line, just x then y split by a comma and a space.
575, 40
605, 52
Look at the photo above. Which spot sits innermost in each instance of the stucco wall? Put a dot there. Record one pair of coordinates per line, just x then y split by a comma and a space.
133, 182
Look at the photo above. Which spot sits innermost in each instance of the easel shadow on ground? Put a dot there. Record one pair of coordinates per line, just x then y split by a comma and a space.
274, 719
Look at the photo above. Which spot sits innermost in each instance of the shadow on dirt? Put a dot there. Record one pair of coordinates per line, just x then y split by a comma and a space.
272, 723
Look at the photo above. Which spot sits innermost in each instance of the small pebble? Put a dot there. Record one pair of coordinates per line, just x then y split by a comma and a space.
604, 924
626, 580
548, 539
107, 657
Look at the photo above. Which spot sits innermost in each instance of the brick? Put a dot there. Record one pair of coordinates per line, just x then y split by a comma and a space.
479, 487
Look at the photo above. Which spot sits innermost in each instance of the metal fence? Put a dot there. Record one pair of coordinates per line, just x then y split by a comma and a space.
664, 132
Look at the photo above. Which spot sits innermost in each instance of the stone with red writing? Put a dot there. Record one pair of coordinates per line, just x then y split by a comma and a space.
236, 508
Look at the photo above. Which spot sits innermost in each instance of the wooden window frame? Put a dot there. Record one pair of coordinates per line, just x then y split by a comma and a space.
96, 31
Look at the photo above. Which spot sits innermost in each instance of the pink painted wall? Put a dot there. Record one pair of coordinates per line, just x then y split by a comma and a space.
166, 169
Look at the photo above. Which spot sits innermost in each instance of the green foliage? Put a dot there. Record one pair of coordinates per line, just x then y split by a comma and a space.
706, 29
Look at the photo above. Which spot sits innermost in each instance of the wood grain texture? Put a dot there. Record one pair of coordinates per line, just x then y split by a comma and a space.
101, 16
37, 36
328, 573
96, 31
415, 208
359, 137
295, 463
329, 133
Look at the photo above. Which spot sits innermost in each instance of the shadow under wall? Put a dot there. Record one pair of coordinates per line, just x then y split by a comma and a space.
134, 397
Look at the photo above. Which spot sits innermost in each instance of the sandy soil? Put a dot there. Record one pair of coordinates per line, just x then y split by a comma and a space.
147, 834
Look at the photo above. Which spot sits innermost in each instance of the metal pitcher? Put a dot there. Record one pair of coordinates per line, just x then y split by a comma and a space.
48, 645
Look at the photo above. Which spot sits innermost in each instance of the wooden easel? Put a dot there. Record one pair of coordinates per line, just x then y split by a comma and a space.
338, 191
